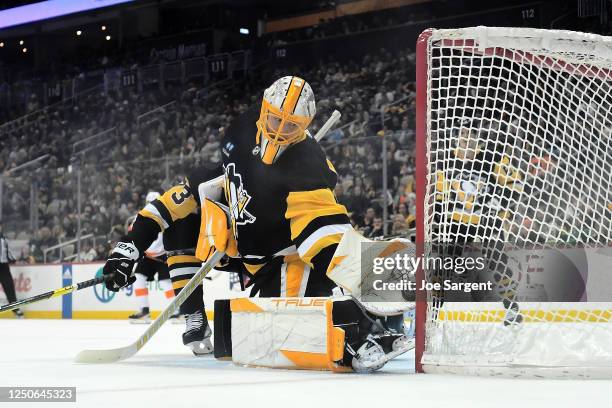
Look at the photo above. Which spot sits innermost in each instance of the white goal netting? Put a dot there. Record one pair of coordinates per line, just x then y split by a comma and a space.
518, 153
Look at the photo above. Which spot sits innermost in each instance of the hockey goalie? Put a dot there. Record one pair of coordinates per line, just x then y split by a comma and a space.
283, 221
274, 210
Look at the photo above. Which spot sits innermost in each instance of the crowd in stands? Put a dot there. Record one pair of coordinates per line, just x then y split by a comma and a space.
115, 176
133, 155
351, 24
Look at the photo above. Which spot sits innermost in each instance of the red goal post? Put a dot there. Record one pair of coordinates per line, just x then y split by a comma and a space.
543, 99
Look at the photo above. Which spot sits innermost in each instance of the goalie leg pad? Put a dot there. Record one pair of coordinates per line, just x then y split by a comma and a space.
293, 333
282, 333
298, 333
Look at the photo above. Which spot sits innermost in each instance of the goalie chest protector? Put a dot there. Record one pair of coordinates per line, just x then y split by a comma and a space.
257, 193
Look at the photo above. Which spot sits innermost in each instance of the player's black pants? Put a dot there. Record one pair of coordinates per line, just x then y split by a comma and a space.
7, 282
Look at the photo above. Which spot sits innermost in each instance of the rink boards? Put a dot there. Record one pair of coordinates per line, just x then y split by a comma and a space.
95, 302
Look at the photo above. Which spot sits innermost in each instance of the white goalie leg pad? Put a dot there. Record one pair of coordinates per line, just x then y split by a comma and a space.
345, 271
286, 333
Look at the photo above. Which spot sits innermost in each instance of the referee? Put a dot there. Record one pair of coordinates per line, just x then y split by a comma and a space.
5, 272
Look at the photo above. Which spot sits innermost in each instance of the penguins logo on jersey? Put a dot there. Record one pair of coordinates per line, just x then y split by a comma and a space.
237, 197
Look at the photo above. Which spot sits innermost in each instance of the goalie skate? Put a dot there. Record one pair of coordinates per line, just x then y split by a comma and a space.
378, 349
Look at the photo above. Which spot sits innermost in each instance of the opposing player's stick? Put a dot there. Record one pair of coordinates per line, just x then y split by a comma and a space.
55, 293
59, 292
122, 353
335, 116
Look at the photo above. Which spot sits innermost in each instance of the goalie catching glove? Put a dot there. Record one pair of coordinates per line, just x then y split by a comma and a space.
120, 265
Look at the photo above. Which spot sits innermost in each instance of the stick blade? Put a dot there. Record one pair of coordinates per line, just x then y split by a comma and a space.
105, 356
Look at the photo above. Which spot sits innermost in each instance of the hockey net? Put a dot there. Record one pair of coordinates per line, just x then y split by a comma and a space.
514, 132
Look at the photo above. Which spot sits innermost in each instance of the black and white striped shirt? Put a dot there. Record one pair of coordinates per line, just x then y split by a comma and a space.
5, 252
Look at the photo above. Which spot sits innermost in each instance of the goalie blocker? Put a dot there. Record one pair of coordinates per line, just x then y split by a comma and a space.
310, 333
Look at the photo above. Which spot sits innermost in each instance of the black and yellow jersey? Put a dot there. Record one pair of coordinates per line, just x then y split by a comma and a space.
468, 190
287, 209
284, 209
176, 214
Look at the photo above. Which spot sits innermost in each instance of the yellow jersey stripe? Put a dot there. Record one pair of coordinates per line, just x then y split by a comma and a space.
155, 217
173, 260
180, 284
305, 206
319, 245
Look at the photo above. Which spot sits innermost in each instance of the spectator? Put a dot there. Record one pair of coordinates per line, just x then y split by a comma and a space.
88, 253
376, 231
358, 203
188, 134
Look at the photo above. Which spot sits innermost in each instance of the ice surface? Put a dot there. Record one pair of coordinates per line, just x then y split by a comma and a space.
165, 374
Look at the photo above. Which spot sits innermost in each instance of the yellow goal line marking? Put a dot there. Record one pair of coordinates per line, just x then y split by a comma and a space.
529, 316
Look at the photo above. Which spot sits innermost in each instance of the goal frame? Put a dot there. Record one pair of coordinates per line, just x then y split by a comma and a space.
422, 92
422, 125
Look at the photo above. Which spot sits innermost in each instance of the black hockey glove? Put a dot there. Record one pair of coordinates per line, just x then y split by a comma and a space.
120, 264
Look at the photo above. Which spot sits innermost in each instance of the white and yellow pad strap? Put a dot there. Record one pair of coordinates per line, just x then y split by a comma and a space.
293, 333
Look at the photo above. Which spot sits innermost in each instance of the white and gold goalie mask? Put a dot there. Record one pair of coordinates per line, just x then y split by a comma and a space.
287, 108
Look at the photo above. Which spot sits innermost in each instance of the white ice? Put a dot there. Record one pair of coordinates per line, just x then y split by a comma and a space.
165, 374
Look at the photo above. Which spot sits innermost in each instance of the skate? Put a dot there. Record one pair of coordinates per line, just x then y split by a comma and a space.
197, 335
512, 317
18, 313
142, 317
378, 349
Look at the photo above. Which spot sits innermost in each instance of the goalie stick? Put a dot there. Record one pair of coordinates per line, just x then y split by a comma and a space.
122, 353
334, 117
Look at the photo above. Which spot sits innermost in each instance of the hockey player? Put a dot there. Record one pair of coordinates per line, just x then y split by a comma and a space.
282, 217
154, 262
274, 209
474, 195
176, 215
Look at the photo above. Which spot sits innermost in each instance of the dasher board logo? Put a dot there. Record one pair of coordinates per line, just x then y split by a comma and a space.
102, 294
237, 197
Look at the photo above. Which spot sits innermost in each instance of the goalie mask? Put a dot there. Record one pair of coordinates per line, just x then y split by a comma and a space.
287, 108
